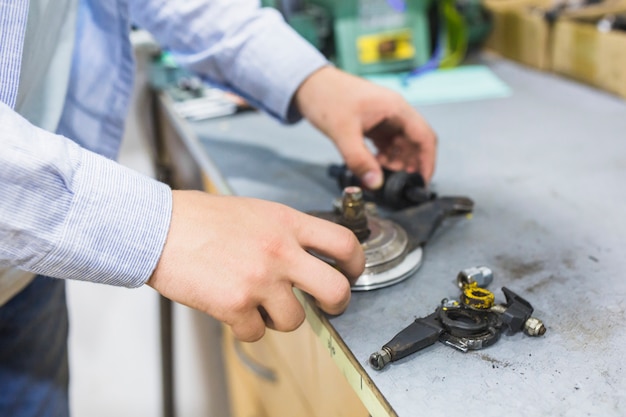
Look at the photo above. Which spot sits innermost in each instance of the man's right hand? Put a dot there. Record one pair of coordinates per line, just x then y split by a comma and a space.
238, 259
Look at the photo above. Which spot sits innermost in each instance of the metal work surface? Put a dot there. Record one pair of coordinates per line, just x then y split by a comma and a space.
546, 168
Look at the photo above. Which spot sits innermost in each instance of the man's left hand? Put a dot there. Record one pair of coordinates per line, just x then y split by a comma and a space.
348, 108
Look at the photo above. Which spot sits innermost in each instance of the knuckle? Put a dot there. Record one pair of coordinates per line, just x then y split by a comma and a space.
392, 101
291, 321
256, 334
240, 302
250, 334
396, 99
283, 213
339, 294
273, 247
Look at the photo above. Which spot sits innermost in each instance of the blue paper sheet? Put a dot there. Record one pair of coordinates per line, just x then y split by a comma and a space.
465, 83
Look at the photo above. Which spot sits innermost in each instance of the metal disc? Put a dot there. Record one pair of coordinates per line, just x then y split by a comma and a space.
401, 271
386, 259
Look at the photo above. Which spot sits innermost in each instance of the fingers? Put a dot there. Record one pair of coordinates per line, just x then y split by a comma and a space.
248, 326
427, 160
324, 282
277, 307
417, 131
329, 287
404, 141
406, 152
283, 312
201, 265
280, 310
345, 108
332, 241
350, 143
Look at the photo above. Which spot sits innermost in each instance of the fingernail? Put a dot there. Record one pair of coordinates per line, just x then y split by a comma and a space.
372, 180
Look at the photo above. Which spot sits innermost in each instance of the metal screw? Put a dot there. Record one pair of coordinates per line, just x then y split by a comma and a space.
353, 214
353, 206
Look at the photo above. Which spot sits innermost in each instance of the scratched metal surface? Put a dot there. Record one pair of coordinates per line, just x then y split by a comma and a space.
547, 170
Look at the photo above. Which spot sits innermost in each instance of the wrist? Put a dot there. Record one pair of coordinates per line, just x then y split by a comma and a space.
313, 89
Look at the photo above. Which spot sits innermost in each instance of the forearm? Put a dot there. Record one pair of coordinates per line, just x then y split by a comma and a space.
69, 213
236, 44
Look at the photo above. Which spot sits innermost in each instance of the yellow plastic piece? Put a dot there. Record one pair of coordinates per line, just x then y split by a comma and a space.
477, 297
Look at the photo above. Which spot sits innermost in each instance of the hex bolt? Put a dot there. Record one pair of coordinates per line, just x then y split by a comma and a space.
481, 275
534, 327
353, 212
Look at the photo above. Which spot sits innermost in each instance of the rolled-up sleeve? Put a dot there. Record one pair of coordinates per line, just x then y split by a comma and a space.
69, 213
237, 44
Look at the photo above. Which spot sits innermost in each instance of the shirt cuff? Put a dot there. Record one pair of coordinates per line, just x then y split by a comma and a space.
116, 227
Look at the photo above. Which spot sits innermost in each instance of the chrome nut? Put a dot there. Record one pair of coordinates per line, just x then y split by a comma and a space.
534, 327
378, 360
481, 275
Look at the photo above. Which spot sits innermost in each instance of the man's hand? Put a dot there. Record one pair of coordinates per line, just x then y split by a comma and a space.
347, 108
237, 259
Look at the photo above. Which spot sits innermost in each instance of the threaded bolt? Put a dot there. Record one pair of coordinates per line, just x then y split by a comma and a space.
353, 213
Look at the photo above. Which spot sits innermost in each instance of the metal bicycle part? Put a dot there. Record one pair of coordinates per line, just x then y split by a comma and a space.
461, 326
387, 258
422, 221
469, 329
384, 278
393, 244
465, 344
400, 189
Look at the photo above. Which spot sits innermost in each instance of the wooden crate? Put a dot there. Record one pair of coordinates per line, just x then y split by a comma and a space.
520, 31
582, 52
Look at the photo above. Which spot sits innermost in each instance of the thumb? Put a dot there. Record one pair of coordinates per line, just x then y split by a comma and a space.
361, 161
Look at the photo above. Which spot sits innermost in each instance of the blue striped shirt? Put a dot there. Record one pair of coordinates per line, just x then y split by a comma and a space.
13, 18
68, 210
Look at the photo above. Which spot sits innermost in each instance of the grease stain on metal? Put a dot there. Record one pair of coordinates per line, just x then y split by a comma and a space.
495, 363
541, 284
518, 268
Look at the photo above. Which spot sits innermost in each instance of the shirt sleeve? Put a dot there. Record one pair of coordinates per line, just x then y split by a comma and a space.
69, 213
235, 43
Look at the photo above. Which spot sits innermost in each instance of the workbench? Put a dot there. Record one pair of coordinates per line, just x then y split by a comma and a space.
546, 168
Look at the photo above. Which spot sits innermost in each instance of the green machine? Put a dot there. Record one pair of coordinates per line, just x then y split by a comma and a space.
372, 36
364, 36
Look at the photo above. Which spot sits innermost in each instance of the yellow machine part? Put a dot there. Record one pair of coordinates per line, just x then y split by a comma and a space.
387, 46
